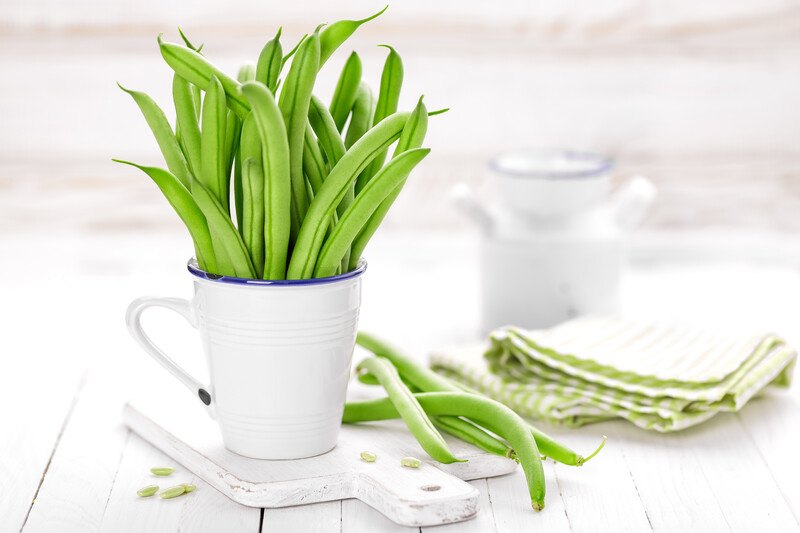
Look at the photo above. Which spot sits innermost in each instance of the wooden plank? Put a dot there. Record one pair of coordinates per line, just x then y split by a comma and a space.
600, 494
358, 516
484, 522
706, 478
772, 424
511, 504
33, 423
202, 510
314, 518
75, 491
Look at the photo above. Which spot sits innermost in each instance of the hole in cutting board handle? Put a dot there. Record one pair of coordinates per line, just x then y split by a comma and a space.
430, 488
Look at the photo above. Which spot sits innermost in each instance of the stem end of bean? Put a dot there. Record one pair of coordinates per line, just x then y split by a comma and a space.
583, 460
537, 506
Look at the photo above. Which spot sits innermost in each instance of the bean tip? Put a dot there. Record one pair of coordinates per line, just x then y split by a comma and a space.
537, 506
278, 34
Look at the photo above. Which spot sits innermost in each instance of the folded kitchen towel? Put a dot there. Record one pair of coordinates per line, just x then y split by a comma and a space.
657, 376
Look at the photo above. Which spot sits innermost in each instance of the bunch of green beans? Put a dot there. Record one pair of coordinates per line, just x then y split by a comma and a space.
463, 413
271, 182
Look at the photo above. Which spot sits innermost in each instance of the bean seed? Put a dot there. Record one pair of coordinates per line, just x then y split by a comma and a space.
146, 492
410, 462
162, 470
173, 492
368, 457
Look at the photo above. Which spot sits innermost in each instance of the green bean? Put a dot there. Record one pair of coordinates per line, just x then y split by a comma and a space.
337, 33
246, 73
427, 380
325, 128
388, 98
188, 43
409, 409
213, 157
468, 432
313, 162
340, 178
165, 137
490, 414
198, 98
294, 102
225, 235
270, 63
187, 122
187, 209
293, 51
344, 96
363, 207
362, 115
412, 136
277, 188
253, 203
196, 69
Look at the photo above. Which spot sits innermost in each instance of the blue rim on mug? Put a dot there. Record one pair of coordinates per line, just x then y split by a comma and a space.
600, 164
196, 271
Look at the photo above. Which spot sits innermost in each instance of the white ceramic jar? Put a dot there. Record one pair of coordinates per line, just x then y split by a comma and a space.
279, 356
553, 246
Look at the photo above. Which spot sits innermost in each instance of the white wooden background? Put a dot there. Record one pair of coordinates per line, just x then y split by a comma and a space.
700, 96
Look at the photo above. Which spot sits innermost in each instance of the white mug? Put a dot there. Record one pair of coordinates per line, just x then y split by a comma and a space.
279, 356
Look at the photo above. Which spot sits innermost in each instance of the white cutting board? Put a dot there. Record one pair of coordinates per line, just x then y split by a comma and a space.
431, 495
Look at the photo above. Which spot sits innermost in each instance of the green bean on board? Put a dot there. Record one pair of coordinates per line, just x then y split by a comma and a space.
488, 413
276, 167
165, 137
362, 208
408, 409
187, 209
270, 63
340, 178
186, 122
412, 137
344, 96
469, 432
333, 35
196, 69
294, 100
427, 380
388, 98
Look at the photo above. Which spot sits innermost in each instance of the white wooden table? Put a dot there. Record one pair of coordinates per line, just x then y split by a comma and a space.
68, 464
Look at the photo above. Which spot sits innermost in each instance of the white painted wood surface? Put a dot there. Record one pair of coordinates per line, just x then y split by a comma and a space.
433, 494
83, 466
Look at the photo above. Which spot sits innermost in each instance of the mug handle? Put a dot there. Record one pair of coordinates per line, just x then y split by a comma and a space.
183, 308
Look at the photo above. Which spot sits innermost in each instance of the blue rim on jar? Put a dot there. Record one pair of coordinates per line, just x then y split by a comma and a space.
196, 271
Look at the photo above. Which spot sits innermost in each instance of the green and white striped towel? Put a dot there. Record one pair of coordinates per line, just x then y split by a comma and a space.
657, 376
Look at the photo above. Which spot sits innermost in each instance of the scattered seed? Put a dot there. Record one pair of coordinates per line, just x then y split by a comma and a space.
189, 487
173, 492
146, 492
162, 470
368, 457
410, 462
